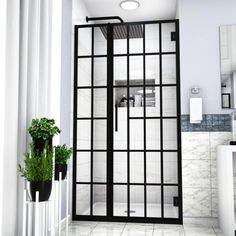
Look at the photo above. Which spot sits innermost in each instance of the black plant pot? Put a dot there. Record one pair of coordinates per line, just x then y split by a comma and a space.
60, 168
39, 144
44, 189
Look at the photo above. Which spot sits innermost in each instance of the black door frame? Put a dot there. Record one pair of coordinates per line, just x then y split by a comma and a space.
110, 126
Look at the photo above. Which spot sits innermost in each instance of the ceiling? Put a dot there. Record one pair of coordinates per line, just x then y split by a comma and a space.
148, 10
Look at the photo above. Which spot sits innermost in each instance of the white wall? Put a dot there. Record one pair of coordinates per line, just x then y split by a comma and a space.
65, 81
199, 48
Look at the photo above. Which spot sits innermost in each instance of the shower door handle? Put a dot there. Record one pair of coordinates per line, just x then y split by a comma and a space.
116, 118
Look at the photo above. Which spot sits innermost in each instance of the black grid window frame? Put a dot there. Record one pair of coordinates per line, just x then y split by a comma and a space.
110, 140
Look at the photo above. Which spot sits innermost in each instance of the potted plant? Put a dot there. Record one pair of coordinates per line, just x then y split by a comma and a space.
62, 154
38, 171
42, 131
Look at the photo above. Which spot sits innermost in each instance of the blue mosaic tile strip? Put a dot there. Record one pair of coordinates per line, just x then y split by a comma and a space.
210, 122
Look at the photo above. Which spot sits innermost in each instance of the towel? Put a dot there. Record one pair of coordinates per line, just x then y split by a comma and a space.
195, 110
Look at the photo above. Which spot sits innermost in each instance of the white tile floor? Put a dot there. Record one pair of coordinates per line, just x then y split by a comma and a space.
153, 210
83, 228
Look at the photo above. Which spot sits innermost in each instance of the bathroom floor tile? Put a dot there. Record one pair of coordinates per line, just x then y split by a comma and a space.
139, 229
198, 230
168, 230
108, 229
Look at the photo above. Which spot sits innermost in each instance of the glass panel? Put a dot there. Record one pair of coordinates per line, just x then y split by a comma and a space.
99, 200
120, 71
136, 70
153, 201
84, 41
136, 167
83, 170
120, 39
120, 200
153, 134
84, 72
170, 134
83, 134
100, 134
169, 101
100, 102
120, 167
168, 69
167, 44
136, 102
153, 167
99, 167
83, 199
152, 101
170, 162
84, 103
136, 200
170, 211
152, 38
136, 38
120, 118
100, 42
152, 65
136, 134
100, 71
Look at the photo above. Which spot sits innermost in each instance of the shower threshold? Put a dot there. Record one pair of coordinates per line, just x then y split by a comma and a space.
136, 210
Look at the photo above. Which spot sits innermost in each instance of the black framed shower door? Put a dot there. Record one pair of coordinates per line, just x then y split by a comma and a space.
127, 123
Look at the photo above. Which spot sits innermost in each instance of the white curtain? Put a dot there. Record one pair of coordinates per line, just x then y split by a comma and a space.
32, 67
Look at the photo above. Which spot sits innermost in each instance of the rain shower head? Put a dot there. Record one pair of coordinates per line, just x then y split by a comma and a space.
120, 31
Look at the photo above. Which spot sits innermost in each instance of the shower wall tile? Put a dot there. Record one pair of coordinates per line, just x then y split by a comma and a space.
197, 202
82, 199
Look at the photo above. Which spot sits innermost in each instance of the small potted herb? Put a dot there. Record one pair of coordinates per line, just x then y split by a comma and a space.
38, 171
62, 154
42, 131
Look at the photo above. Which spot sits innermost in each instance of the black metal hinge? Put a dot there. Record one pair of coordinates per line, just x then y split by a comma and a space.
176, 201
173, 36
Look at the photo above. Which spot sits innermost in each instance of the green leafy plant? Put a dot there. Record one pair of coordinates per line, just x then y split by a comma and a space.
62, 154
38, 165
43, 128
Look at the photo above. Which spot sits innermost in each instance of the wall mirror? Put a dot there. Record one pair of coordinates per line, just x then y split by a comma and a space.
228, 66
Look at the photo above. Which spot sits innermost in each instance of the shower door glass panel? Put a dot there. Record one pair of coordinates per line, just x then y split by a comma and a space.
91, 135
127, 142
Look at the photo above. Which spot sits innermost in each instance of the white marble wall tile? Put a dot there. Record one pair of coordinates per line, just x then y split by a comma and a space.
196, 202
196, 173
214, 206
195, 145
213, 174
199, 172
218, 138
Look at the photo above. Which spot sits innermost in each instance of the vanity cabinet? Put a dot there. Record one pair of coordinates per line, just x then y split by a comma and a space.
226, 170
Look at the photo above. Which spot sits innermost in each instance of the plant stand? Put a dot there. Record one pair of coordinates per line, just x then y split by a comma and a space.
59, 202
39, 217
